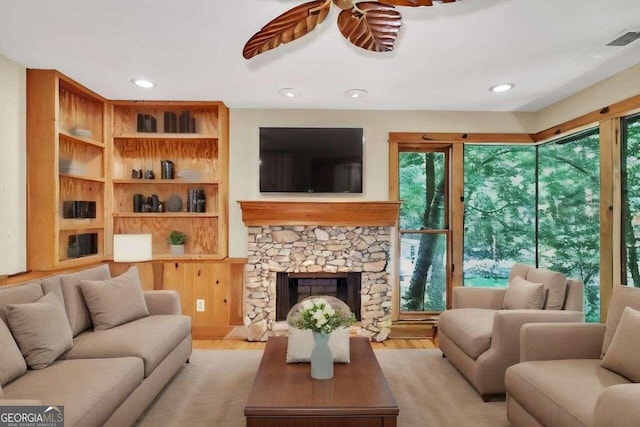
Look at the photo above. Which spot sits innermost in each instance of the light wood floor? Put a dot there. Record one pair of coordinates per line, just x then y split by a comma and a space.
396, 343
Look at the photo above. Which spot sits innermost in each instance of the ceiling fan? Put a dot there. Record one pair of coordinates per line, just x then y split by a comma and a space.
370, 25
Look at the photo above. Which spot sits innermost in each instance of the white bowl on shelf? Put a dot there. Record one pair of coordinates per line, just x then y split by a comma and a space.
86, 133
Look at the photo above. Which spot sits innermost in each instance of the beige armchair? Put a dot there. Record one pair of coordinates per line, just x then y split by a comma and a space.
562, 381
481, 339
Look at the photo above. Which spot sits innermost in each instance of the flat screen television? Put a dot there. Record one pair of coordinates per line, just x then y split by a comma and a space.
311, 160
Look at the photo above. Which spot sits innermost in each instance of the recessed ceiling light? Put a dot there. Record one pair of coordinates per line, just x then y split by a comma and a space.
356, 93
502, 87
289, 92
147, 84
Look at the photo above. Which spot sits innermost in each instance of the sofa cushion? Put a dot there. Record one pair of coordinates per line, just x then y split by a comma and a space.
621, 297
41, 330
469, 328
90, 389
151, 338
18, 294
555, 286
623, 357
12, 364
53, 284
115, 301
77, 311
522, 294
560, 392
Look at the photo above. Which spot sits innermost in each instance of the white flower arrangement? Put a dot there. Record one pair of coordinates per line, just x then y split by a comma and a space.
318, 315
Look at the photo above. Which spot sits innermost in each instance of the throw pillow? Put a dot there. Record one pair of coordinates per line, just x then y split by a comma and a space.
301, 342
41, 330
115, 301
12, 363
77, 311
555, 286
522, 294
623, 357
621, 297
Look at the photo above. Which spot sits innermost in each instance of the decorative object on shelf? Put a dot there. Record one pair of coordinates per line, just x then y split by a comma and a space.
322, 315
186, 123
86, 133
166, 169
189, 174
176, 240
170, 122
155, 203
71, 167
149, 174
174, 203
136, 174
79, 209
80, 245
138, 202
370, 25
132, 247
147, 123
196, 200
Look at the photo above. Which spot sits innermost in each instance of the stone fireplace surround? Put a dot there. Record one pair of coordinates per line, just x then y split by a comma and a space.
311, 248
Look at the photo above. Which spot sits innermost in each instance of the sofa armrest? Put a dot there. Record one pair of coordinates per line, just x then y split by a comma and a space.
470, 297
163, 302
504, 350
618, 406
19, 402
555, 341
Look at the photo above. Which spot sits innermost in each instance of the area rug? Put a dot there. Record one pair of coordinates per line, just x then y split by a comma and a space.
214, 387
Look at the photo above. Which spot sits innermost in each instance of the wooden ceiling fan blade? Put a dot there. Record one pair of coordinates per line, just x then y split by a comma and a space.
410, 3
371, 25
289, 26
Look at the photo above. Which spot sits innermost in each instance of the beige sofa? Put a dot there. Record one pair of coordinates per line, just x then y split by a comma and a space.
108, 377
562, 380
481, 339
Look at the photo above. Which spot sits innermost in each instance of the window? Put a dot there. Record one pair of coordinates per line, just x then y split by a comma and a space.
631, 200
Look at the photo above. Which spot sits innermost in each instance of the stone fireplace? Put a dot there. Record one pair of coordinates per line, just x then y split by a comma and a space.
317, 249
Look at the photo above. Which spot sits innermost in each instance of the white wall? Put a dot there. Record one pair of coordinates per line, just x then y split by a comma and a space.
244, 150
609, 91
13, 182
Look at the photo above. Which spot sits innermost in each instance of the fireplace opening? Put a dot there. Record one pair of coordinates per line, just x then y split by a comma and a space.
292, 288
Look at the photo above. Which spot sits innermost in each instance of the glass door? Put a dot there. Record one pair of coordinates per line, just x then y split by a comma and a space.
424, 235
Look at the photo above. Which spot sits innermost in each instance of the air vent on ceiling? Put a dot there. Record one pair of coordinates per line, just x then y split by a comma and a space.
625, 39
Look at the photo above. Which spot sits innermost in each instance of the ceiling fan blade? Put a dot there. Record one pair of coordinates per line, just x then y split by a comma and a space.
371, 25
289, 26
410, 3
415, 3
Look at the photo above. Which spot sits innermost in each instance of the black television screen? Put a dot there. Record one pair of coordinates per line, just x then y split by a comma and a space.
311, 160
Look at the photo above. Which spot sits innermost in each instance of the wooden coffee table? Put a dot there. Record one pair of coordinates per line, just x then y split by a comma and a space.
285, 394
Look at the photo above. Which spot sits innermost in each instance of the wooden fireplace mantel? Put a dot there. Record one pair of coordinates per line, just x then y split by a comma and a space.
367, 214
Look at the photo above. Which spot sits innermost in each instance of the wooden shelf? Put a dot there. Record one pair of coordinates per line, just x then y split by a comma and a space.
82, 177
75, 138
319, 213
166, 181
186, 257
85, 260
80, 224
164, 215
164, 136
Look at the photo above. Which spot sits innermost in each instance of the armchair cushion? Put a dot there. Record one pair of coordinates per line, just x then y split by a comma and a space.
555, 284
469, 328
623, 357
522, 294
621, 297
560, 392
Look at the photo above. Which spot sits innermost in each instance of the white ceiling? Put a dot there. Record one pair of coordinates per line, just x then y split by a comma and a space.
445, 58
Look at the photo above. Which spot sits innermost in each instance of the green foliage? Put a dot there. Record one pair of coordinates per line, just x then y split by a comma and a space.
177, 238
631, 196
318, 316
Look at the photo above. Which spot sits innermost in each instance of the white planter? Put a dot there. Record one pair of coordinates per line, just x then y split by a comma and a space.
177, 250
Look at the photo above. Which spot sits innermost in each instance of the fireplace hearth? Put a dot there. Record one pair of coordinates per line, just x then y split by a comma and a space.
291, 288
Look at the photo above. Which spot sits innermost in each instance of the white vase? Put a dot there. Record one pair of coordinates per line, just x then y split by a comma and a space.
321, 357
177, 250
